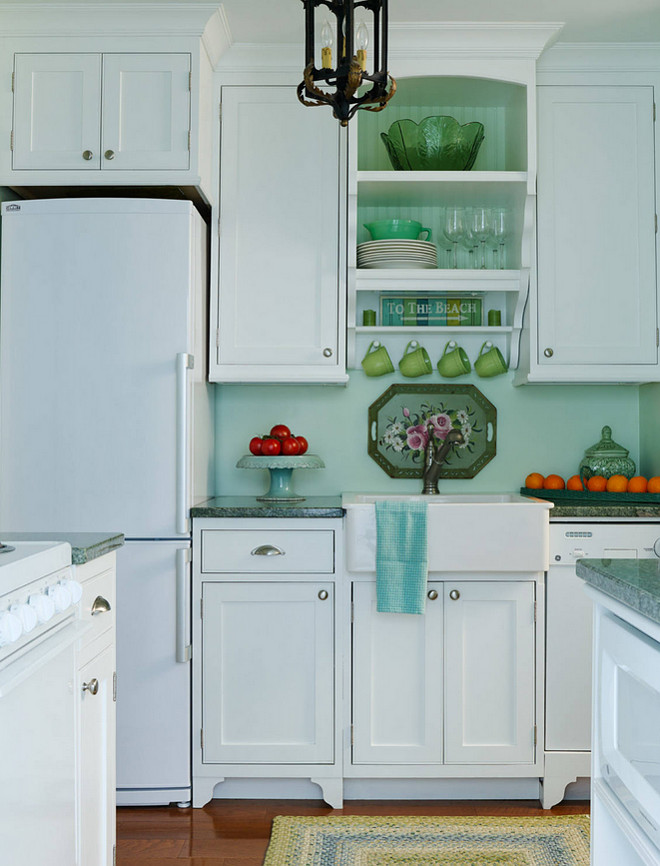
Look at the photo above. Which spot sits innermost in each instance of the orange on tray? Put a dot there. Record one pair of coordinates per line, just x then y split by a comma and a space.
553, 482
654, 484
597, 483
617, 484
534, 481
574, 483
638, 484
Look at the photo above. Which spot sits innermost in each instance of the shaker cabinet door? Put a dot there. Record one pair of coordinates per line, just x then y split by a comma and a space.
277, 315
146, 112
596, 227
57, 111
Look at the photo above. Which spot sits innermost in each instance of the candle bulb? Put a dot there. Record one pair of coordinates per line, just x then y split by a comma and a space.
326, 45
362, 40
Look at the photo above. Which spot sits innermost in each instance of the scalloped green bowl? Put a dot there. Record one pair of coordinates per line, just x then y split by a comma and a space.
436, 144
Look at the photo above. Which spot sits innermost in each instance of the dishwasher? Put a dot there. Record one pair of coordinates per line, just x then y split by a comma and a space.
568, 631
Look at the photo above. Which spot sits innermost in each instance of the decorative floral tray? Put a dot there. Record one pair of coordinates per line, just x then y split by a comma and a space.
400, 418
591, 497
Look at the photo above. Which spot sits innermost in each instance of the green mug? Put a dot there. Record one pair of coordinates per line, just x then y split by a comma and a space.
415, 361
377, 362
382, 230
490, 362
454, 361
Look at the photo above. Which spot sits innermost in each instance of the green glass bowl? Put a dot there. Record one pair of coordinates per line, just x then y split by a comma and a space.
436, 144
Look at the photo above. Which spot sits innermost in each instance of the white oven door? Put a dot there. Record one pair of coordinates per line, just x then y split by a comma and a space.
37, 759
629, 720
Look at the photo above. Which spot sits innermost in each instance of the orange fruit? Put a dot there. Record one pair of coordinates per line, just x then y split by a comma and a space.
554, 482
597, 483
637, 484
654, 484
534, 481
617, 484
574, 483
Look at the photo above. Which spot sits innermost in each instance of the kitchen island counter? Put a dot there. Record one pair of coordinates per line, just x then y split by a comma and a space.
250, 506
85, 546
633, 582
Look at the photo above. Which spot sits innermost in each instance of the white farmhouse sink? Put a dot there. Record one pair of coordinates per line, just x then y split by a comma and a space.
471, 532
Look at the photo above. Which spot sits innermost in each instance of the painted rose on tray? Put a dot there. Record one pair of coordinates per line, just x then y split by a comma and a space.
409, 434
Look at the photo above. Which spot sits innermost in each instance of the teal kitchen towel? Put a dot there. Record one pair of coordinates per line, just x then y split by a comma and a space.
401, 561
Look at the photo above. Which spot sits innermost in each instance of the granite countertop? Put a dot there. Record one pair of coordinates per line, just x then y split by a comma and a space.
633, 582
85, 546
250, 506
641, 511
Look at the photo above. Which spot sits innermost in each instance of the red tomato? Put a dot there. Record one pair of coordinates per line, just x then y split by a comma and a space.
290, 446
255, 445
280, 431
270, 447
303, 444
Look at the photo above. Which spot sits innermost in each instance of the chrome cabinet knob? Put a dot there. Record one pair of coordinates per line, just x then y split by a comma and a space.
432, 594
109, 154
327, 352
323, 594
454, 595
101, 605
548, 352
92, 686
87, 154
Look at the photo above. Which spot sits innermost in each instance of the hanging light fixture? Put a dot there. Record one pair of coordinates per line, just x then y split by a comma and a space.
345, 59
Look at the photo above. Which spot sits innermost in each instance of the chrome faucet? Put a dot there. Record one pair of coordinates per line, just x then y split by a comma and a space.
434, 457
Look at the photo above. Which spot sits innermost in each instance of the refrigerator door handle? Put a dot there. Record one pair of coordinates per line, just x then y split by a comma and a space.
184, 362
183, 653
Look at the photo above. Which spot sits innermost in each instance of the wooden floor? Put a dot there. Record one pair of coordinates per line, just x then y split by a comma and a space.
236, 832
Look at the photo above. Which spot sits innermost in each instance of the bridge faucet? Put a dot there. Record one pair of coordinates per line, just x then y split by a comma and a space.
434, 457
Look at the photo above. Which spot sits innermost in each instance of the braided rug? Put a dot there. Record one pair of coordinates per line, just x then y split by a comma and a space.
429, 841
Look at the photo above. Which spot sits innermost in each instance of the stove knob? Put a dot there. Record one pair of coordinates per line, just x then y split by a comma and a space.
26, 614
60, 596
656, 547
74, 588
10, 628
43, 606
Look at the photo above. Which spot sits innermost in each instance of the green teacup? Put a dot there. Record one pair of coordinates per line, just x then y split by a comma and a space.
454, 361
490, 362
382, 230
377, 362
415, 361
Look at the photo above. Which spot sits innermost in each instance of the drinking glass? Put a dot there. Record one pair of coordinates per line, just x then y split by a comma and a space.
454, 228
500, 229
470, 243
480, 227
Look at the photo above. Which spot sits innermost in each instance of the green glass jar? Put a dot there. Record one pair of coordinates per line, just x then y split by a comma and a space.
606, 458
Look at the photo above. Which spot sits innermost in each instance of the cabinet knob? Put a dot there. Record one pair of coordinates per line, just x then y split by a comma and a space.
327, 352
87, 154
267, 550
548, 352
432, 594
454, 595
323, 594
92, 686
109, 154
101, 605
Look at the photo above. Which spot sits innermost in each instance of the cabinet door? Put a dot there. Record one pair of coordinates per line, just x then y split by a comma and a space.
397, 682
97, 760
57, 111
268, 673
279, 211
146, 112
596, 226
489, 672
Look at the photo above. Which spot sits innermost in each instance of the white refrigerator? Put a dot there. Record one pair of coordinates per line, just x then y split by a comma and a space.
106, 424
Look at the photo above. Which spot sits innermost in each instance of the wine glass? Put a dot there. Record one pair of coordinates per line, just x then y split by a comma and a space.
470, 243
500, 229
480, 227
454, 228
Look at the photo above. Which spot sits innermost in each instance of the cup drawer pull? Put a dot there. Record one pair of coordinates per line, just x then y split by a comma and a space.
267, 550
101, 605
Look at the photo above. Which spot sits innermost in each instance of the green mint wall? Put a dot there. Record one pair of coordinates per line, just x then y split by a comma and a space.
649, 433
542, 428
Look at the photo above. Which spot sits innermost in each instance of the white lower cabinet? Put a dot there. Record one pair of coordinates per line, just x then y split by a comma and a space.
95, 687
455, 686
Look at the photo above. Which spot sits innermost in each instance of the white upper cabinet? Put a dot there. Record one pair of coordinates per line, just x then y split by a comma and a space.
109, 112
278, 314
594, 315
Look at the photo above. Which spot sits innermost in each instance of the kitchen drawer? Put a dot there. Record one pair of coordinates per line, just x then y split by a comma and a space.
255, 551
96, 591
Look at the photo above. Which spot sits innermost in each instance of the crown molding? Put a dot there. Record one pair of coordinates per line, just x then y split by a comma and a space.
217, 39
602, 57
513, 39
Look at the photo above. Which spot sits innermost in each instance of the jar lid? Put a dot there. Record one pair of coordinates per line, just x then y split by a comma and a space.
607, 447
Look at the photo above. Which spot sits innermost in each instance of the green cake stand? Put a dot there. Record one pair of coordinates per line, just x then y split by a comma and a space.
281, 473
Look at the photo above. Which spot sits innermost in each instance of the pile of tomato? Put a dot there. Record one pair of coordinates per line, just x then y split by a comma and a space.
278, 441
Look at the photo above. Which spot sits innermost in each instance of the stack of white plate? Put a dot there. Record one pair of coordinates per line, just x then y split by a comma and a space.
400, 253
